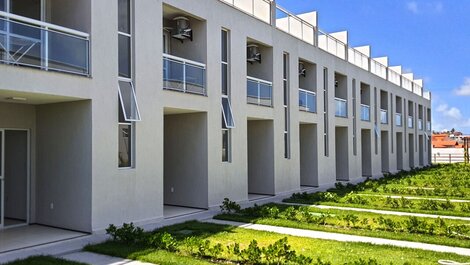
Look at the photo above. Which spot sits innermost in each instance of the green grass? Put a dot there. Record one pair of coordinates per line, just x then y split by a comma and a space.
43, 260
366, 224
333, 251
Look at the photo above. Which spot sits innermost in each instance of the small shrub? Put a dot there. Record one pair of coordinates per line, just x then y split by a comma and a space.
164, 241
269, 211
447, 205
252, 254
229, 206
430, 205
290, 213
128, 233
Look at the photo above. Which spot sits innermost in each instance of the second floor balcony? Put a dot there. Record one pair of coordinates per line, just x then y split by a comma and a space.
341, 108
307, 100
365, 112
184, 75
410, 121
398, 119
383, 116
34, 43
259, 92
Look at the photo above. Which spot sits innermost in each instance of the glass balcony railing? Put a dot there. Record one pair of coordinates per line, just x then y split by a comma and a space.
398, 119
383, 116
341, 107
365, 112
307, 100
259, 92
29, 42
420, 124
428, 125
183, 75
410, 121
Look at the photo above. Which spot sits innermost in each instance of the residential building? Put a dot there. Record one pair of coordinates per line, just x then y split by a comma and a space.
115, 111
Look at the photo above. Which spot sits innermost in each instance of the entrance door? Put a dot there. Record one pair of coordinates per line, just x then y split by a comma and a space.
14, 177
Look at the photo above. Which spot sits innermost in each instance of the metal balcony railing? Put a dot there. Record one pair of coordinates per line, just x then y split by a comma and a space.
307, 100
420, 124
410, 121
428, 125
398, 119
260, 9
295, 26
259, 92
383, 116
29, 42
341, 107
365, 112
183, 75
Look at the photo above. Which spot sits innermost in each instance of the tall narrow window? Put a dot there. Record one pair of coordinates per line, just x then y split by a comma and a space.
228, 122
285, 60
354, 117
377, 132
325, 112
127, 102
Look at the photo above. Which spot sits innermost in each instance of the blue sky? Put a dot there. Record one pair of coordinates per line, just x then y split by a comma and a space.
429, 38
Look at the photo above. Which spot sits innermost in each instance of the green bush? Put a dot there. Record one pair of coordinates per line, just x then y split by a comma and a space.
229, 206
164, 241
128, 233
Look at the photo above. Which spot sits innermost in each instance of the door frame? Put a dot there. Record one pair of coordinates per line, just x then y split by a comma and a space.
28, 178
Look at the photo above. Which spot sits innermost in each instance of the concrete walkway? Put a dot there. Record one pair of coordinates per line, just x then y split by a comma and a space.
382, 211
97, 259
344, 237
411, 197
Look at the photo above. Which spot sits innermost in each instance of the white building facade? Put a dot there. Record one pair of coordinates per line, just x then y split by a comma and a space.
112, 111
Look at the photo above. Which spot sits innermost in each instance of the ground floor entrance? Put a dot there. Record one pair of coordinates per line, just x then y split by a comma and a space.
14, 178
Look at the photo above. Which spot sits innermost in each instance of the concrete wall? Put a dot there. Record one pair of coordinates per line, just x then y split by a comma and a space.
74, 14
185, 162
308, 155
260, 157
64, 165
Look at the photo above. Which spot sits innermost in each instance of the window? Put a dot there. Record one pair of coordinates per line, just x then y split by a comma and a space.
325, 112
125, 145
228, 122
124, 38
128, 101
286, 105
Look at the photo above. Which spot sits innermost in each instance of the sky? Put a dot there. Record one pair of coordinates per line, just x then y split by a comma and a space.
429, 38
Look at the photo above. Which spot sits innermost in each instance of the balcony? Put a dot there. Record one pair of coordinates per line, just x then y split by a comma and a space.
183, 75
307, 100
420, 124
398, 119
259, 92
410, 121
428, 125
341, 108
383, 116
29, 42
365, 112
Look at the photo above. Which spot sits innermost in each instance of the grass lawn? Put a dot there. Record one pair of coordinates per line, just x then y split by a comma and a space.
332, 251
427, 230
43, 260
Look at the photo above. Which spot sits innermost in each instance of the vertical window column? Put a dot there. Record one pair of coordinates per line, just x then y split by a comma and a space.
285, 82
354, 117
376, 127
227, 116
127, 103
325, 112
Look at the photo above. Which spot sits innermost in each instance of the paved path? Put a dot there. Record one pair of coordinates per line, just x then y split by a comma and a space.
382, 211
344, 237
411, 197
98, 259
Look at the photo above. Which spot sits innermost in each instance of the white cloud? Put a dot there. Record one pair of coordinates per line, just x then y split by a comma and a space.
447, 117
464, 89
413, 7
449, 112
429, 8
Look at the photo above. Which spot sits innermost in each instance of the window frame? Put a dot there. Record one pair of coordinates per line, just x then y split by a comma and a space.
121, 101
225, 95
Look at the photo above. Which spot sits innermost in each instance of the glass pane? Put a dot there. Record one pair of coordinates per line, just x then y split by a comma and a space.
195, 79
1, 158
173, 75
23, 44
128, 101
26, 8
2, 5
67, 53
224, 79
252, 92
224, 46
286, 95
227, 111
225, 145
265, 94
124, 16
124, 56
125, 145
311, 103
